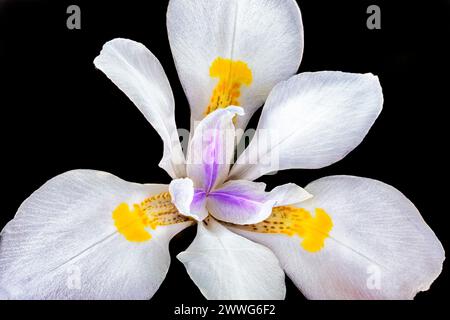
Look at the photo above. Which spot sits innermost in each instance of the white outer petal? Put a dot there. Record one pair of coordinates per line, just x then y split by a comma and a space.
310, 121
65, 229
266, 34
377, 234
138, 73
225, 266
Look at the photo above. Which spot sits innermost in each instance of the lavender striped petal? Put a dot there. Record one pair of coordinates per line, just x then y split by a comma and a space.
240, 202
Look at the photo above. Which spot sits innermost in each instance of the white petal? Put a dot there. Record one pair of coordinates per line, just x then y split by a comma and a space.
63, 242
225, 265
288, 193
138, 73
379, 246
182, 194
311, 121
211, 148
267, 35
240, 202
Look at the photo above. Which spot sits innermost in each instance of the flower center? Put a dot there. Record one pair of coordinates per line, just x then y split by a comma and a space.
290, 221
232, 75
154, 211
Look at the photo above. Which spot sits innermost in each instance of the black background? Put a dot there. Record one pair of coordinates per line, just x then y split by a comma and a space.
59, 113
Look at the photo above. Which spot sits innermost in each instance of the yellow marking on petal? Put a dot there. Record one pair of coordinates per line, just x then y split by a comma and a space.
290, 221
129, 223
232, 75
155, 211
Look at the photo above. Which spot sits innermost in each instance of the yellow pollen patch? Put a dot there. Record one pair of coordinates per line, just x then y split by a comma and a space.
232, 75
292, 221
151, 213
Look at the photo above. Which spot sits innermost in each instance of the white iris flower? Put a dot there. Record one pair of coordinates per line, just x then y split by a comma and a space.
341, 237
